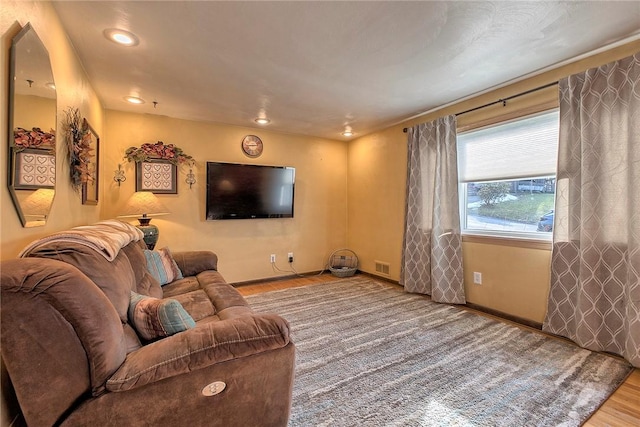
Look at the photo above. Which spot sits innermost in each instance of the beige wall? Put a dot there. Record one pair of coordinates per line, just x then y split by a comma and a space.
73, 90
515, 276
243, 246
34, 111
377, 176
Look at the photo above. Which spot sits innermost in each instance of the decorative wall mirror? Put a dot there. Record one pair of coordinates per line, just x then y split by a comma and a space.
32, 123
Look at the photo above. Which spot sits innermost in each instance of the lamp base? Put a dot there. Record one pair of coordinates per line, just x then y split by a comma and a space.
151, 234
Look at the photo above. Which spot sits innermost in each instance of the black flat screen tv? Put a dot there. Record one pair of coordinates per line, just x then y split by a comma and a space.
241, 191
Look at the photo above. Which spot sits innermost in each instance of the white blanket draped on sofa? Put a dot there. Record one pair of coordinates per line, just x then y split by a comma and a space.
106, 237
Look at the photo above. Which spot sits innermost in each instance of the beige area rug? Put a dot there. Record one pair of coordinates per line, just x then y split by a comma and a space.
369, 354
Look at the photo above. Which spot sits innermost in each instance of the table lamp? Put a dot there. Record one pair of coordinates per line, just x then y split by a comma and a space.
144, 204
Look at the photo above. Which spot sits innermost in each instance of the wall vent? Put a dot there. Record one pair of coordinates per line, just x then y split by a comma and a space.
382, 267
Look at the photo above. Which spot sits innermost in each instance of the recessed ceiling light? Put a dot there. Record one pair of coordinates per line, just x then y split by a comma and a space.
134, 100
262, 121
50, 85
347, 131
122, 37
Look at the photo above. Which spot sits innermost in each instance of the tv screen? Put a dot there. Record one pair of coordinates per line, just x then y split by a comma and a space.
239, 191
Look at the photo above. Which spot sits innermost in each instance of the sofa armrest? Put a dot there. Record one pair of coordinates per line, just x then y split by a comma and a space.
196, 348
193, 262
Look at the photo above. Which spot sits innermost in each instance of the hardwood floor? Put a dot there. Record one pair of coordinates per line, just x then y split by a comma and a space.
622, 409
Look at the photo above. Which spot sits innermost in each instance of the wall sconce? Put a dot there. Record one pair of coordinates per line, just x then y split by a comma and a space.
142, 204
191, 178
119, 175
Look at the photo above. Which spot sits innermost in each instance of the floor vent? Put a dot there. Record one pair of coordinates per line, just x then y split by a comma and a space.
382, 267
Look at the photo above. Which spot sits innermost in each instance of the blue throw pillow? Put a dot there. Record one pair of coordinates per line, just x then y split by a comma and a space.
162, 266
156, 318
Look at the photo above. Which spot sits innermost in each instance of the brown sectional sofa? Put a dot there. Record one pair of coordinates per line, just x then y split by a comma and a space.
75, 360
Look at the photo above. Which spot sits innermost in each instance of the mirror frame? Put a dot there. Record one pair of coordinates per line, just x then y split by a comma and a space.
90, 190
12, 157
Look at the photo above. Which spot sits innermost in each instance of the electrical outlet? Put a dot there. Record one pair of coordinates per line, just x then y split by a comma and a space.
477, 278
273, 258
290, 256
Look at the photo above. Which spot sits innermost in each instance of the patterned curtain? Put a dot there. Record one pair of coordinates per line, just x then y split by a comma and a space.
595, 273
432, 248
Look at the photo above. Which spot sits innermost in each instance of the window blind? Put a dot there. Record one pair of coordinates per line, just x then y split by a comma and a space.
522, 148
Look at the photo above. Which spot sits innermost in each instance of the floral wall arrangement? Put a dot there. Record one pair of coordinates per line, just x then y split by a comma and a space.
78, 141
169, 152
157, 166
34, 138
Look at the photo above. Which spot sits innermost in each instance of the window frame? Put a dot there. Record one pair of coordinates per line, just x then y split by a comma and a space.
541, 240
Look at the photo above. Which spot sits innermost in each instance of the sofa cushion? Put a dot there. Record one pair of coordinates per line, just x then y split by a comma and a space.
131, 338
161, 265
202, 346
197, 304
181, 286
221, 294
54, 317
115, 278
193, 262
156, 318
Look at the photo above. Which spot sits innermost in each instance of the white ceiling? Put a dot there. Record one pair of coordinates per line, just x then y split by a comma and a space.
314, 67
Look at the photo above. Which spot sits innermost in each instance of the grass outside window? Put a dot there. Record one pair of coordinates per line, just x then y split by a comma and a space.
526, 208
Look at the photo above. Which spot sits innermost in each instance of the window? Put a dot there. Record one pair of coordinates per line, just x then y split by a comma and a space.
507, 177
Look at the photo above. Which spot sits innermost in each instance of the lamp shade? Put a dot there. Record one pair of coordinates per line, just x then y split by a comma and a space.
143, 204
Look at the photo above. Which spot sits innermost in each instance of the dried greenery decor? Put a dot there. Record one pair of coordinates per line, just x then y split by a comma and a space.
78, 140
158, 150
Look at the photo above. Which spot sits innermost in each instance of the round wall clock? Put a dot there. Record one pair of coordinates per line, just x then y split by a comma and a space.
252, 146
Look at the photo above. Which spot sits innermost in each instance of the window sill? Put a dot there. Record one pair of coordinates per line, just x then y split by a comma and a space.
520, 242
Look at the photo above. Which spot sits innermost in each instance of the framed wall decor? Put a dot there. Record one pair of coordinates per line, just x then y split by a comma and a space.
34, 168
91, 184
157, 175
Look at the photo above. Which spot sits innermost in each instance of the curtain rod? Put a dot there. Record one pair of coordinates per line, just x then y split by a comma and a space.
502, 101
